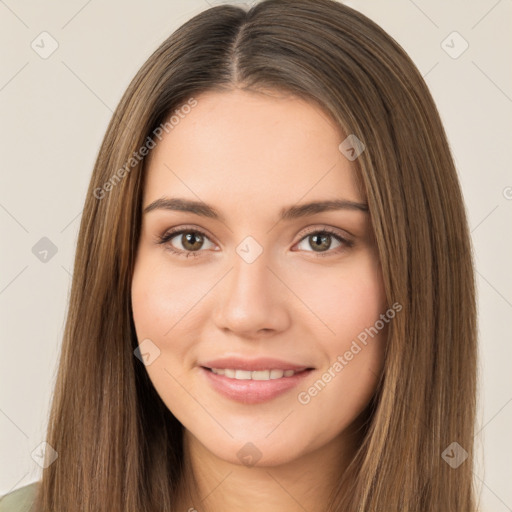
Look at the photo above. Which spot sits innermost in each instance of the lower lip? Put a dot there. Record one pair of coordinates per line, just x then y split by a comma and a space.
253, 391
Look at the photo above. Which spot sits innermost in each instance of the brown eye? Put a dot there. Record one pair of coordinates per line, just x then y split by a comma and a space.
190, 240
321, 241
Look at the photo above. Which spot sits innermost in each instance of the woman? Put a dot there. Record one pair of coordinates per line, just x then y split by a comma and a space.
273, 301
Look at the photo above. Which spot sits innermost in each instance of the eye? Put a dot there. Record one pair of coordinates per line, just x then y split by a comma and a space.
192, 240
321, 240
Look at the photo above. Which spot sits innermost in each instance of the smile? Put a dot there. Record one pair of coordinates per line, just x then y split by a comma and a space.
253, 387
255, 375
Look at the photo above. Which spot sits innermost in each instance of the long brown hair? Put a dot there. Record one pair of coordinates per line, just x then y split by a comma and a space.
119, 447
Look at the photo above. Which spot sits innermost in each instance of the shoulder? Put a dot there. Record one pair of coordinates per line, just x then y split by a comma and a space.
19, 500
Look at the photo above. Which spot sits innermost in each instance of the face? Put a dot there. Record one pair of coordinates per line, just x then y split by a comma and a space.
287, 309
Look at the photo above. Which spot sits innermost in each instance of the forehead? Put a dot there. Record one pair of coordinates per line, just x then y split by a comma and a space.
256, 146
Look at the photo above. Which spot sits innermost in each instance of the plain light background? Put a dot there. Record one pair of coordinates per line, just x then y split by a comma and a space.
54, 113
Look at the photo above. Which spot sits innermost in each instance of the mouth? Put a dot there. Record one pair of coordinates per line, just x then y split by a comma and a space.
253, 386
270, 374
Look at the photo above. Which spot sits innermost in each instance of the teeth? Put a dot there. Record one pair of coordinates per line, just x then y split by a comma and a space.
242, 375
255, 375
261, 375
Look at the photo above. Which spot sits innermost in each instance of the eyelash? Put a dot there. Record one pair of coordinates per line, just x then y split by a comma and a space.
168, 236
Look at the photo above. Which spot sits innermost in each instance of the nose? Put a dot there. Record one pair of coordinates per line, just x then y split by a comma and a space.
252, 299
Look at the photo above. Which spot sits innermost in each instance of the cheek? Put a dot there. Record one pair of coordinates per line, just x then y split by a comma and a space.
148, 302
346, 301
158, 303
159, 297
155, 312
354, 344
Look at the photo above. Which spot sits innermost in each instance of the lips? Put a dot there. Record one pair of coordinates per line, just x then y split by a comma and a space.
253, 381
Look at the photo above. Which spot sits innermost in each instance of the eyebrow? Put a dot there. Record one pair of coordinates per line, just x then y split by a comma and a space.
287, 213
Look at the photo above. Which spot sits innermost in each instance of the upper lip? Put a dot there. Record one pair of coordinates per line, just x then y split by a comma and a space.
261, 363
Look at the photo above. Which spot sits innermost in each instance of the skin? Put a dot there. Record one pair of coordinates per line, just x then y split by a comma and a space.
249, 155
